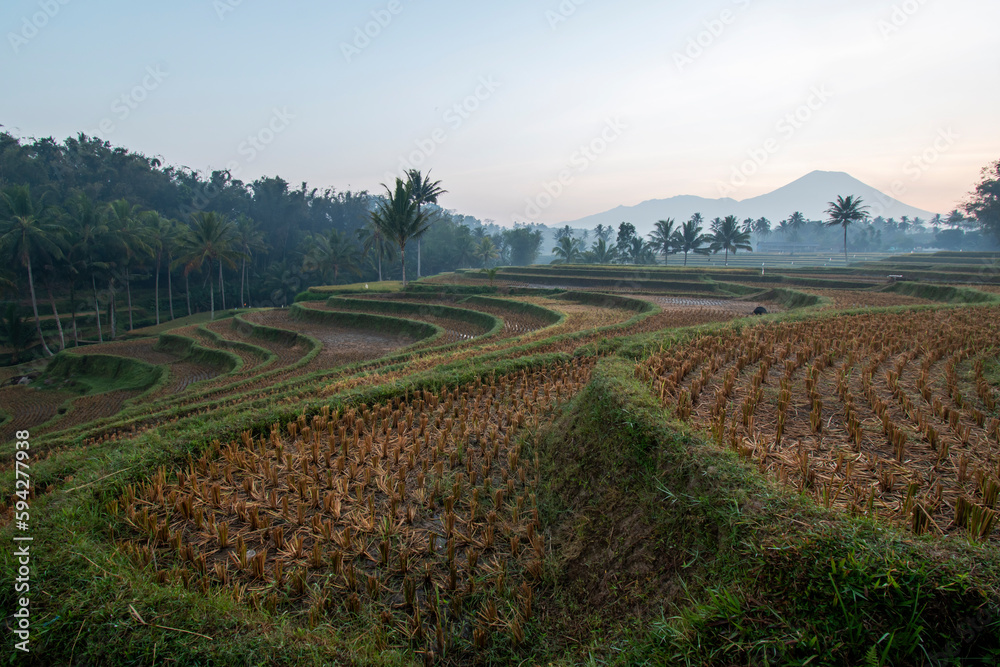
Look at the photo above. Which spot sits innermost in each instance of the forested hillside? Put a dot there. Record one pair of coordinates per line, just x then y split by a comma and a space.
112, 229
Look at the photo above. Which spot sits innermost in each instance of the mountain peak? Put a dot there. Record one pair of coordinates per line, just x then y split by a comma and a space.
810, 194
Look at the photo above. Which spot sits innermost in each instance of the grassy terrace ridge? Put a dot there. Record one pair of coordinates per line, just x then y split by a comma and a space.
652, 278
659, 545
945, 294
189, 350
420, 331
217, 397
519, 307
717, 566
98, 373
489, 323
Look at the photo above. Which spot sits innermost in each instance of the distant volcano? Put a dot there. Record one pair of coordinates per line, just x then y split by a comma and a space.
810, 195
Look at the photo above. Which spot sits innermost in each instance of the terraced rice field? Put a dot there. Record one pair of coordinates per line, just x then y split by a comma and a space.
287, 355
86, 409
340, 345
455, 331
366, 496
421, 508
28, 407
884, 414
840, 299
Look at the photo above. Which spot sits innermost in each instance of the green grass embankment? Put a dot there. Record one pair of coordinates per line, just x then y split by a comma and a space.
396, 326
673, 551
942, 293
99, 373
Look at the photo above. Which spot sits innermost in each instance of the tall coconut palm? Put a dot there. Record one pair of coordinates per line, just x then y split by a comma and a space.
691, 239
423, 191
25, 230
160, 233
785, 229
53, 267
248, 240
331, 254
171, 246
845, 212
662, 238
209, 240
372, 240
601, 252
399, 218
487, 251
641, 252
567, 251
762, 227
729, 236
604, 232
464, 247
85, 232
127, 225
14, 333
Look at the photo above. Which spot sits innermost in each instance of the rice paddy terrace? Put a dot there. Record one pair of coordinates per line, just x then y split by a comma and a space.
551, 464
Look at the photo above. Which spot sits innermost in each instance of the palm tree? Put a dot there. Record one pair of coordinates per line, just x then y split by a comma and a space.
604, 232
399, 218
601, 252
85, 233
282, 280
464, 247
424, 191
487, 251
785, 229
160, 234
491, 274
334, 252
210, 240
171, 245
15, 333
371, 238
641, 252
762, 227
567, 251
690, 238
127, 225
53, 266
662, 238
248, 239
25, 231
563, 232
844, 212
729, 236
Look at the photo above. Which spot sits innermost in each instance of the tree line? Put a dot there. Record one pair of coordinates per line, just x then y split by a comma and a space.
861, 233
85, 227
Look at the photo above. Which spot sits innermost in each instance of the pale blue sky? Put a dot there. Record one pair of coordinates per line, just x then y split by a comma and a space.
535, 82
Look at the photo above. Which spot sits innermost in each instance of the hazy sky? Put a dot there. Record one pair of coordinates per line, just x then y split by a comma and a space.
541, 110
